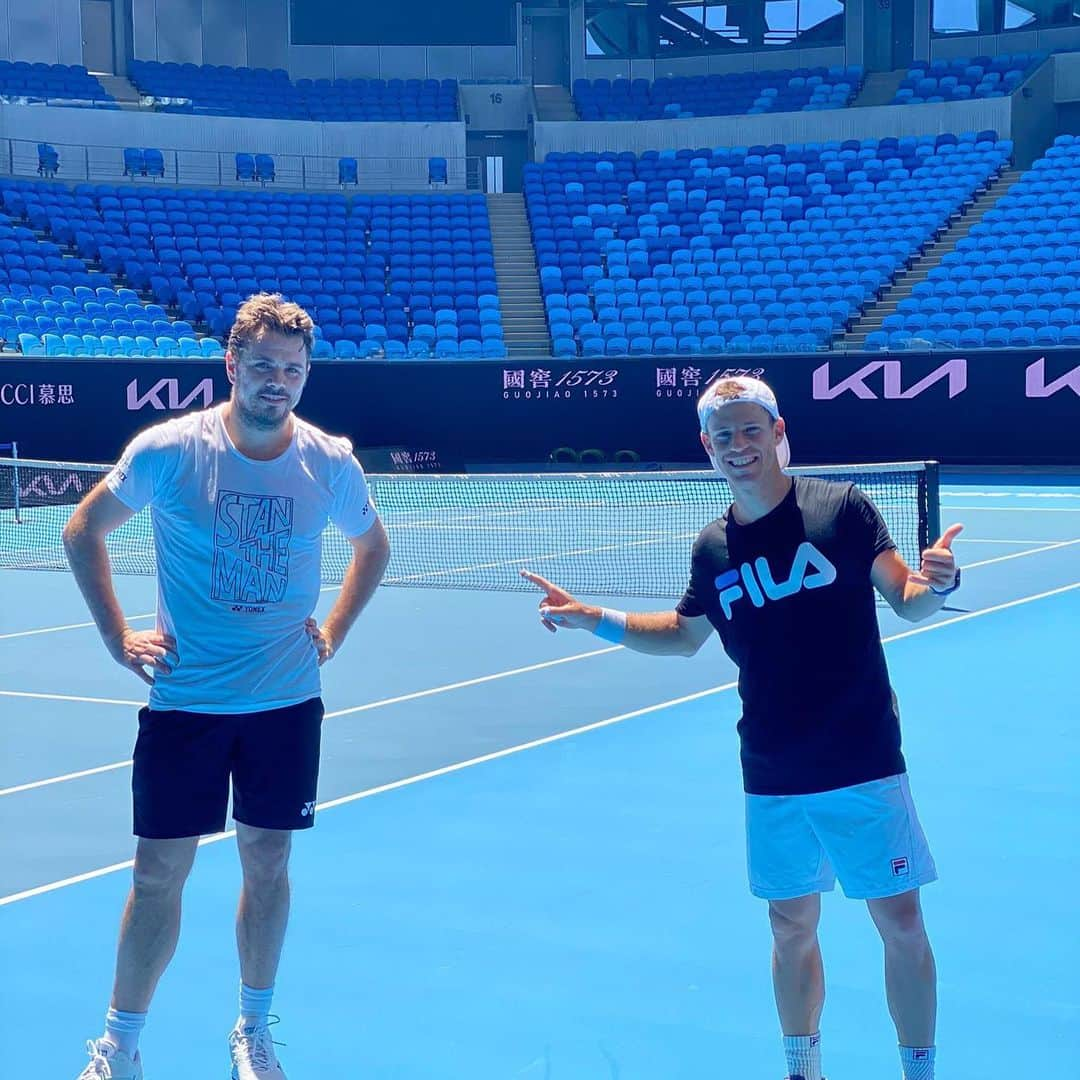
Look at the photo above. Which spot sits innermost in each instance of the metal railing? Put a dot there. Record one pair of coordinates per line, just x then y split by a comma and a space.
213, 168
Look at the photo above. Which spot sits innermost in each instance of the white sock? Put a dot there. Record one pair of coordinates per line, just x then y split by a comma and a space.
918, 1062
254, 1006
122, 1030
803, 1053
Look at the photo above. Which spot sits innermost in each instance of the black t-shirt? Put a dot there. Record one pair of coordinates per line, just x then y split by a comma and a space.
791, 597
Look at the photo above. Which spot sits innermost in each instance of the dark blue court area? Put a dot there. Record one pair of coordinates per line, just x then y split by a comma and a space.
529, 858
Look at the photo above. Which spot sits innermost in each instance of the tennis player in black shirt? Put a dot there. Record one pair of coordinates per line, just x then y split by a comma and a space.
786, 576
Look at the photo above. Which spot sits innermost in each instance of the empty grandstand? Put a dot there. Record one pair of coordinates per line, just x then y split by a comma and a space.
750, 93
744, 249
384, 275
227, 91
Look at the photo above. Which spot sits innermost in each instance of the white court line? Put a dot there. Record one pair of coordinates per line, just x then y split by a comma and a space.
515, 671
69, 776
71, 697
1021, 554
508, 751
69, 626
973, 540
329, 716
1016, 509
961, 494
471, 682
982, 611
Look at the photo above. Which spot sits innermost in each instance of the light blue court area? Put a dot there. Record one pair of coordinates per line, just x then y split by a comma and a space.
529, 860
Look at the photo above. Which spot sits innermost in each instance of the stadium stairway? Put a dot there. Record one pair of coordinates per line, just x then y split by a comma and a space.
879, 88
906, 280
127, 97
524, 325
554, 103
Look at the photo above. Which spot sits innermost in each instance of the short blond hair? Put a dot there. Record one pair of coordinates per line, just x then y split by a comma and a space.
270, 313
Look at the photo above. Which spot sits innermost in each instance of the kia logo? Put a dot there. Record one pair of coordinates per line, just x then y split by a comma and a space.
165, 395
954, 372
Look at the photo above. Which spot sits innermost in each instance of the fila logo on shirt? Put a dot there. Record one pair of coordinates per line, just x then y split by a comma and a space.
810, 570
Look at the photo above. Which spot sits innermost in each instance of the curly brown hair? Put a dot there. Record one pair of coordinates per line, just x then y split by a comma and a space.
270, 313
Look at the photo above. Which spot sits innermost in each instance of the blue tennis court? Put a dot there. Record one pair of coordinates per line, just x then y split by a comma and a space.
529, 857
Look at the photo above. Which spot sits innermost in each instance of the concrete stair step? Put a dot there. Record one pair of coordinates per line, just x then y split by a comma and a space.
521, 303
919, 271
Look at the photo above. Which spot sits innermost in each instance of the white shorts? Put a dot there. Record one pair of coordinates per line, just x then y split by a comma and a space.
867, 835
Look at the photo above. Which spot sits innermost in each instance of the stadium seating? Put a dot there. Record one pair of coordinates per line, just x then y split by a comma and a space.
48, 160
962, 79
134, 161
1014, 280
154, 161
230, 91
436, 170
38, 82
348, 171
139, 161
391, 275
744, 249
802, 89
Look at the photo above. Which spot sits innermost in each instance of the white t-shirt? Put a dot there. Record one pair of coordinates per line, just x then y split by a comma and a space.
239, 546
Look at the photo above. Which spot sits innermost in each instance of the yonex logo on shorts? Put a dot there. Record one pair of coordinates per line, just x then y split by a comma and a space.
309, 809
899, 867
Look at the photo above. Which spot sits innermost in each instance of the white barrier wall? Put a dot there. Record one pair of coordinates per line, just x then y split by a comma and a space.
640, 135
390, 155
98, 127
41, 31
1067, 77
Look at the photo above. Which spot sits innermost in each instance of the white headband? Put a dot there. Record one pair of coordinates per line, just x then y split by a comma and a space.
751, 390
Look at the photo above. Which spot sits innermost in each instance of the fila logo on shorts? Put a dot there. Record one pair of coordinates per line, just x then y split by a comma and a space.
810, 570
309, 809
899, 867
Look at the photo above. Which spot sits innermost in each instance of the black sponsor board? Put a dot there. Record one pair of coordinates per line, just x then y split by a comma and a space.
977, 408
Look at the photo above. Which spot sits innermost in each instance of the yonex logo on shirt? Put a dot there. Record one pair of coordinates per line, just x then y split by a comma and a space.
810, 570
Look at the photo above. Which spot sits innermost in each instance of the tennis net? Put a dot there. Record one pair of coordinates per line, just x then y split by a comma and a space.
622, 534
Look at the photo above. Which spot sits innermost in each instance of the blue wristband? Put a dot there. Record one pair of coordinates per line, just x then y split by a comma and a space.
612, 626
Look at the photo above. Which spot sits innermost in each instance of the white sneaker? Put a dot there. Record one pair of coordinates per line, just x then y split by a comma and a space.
109, 1063
253, 1054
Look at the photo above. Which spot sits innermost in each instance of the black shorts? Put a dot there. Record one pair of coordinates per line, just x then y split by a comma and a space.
184, 762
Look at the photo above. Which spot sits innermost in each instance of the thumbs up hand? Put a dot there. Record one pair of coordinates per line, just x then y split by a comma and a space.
938, 568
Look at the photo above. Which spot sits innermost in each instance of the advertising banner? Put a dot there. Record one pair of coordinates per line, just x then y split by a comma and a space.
980, 408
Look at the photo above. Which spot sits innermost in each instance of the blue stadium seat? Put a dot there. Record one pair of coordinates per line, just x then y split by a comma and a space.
264, 168
245, 167
134, 161
154, 162
715, 95
348, 171
437, 170
718, 242
48, 160
382, 267
220, 90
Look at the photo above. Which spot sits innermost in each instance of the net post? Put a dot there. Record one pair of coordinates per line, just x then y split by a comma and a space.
933, 504
15, 479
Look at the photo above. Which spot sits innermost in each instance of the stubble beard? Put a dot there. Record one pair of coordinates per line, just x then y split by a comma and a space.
261, 420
